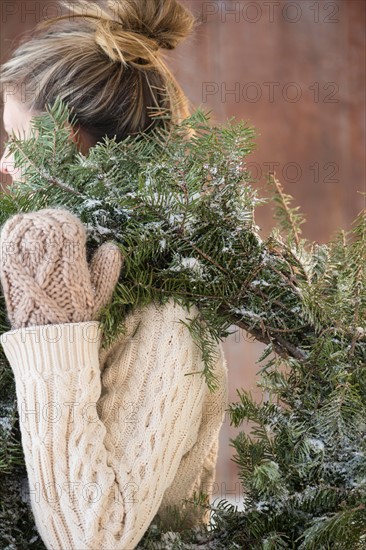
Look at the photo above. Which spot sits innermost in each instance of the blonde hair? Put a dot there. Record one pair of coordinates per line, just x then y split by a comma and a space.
106, 63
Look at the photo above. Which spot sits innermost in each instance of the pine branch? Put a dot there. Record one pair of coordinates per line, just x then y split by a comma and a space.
288, 217
180, 204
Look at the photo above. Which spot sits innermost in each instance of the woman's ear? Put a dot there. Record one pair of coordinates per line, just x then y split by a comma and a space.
82, 139
74, 133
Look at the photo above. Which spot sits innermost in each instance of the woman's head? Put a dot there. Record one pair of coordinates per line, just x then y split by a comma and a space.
105, 62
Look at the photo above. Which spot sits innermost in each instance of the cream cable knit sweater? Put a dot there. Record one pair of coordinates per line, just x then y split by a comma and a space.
113, 437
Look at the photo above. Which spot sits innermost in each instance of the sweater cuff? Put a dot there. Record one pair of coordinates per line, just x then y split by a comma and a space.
60, 348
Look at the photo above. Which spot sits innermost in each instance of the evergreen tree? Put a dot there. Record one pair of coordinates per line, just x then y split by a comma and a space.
179, 202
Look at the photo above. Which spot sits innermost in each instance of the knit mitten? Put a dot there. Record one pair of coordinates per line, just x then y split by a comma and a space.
44, 271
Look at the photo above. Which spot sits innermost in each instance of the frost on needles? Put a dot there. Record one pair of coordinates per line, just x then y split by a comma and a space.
180, 203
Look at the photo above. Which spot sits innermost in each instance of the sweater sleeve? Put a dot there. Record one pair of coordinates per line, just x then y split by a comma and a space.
98, 465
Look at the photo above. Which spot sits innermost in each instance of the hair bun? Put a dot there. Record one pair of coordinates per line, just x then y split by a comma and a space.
166, 22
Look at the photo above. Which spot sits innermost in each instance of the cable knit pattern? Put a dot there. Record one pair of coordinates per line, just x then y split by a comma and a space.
42, 254
113, 437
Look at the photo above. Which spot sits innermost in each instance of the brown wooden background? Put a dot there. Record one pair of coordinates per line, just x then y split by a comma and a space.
296, 71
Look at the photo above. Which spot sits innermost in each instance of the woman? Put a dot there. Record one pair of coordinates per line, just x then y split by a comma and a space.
111, 437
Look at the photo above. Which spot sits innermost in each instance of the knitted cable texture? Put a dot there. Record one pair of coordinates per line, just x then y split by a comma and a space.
111, 441
111, 437
44, 272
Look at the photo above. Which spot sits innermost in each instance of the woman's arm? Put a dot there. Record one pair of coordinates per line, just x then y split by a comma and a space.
93, 488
